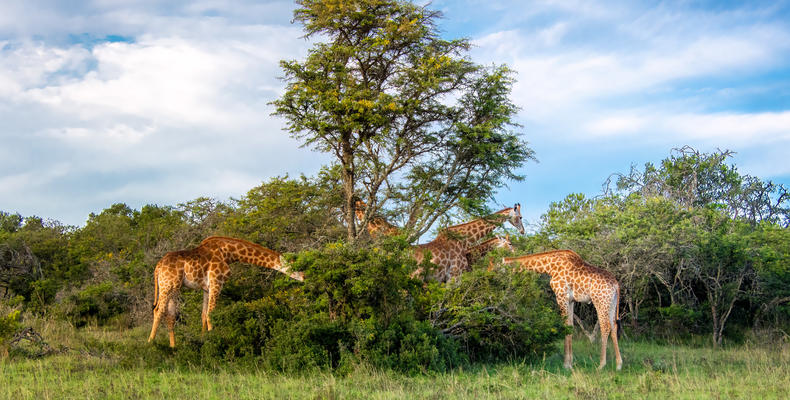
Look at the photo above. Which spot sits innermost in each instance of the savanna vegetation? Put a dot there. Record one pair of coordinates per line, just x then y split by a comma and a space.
425, 137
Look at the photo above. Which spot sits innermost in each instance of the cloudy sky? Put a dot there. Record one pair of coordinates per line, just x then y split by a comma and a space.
164, 101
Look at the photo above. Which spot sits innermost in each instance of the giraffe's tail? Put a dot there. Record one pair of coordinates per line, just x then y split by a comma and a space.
156, 288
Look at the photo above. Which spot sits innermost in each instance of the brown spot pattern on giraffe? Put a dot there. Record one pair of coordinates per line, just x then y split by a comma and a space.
572, 279
205, 267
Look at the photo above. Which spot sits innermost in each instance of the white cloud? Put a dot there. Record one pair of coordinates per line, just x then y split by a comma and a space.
724, 129
180, 109
740, 130
177, 112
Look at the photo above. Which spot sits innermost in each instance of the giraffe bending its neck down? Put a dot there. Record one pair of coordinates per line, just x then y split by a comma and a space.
206, 268
572, 280
449, 249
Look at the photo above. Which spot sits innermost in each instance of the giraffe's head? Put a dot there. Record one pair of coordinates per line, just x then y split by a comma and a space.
359, 209
504, 243
514, 217
284, 268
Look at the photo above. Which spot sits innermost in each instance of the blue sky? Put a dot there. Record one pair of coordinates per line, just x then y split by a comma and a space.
161, 102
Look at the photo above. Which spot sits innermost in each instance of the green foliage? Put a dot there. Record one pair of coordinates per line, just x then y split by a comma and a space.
692, 242
349, 282
375, 96
356, 306
286, 214
499, 316
42, 293
9, 324
682, 320
96, 304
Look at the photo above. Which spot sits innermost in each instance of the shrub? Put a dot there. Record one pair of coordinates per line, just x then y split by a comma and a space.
95, 304
9, 324
499, 315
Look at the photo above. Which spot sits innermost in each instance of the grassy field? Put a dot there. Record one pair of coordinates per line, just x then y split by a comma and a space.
650, 371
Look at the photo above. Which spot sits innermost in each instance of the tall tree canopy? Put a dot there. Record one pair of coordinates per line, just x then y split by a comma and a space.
413, 123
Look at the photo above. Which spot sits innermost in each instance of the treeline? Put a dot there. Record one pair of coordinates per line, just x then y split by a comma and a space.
699, 249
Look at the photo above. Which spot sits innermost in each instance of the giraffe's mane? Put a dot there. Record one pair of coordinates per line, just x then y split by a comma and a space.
478, 219
237, 240
573, 253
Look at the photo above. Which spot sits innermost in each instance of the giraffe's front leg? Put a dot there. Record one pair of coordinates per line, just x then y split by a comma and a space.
204, 313
564, 293
213, 293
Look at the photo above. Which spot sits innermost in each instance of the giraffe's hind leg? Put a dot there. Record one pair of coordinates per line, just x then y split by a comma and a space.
569, 337
171, 320
605, 324
159, 311
618, 359
614, 323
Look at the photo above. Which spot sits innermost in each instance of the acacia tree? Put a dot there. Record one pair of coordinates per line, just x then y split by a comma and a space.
412, 122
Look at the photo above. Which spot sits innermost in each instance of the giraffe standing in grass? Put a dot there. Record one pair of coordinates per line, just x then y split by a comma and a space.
574, 280
449, 249
206, 268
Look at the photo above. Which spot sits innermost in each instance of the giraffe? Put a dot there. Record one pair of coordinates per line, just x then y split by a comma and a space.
498, 242
377, 226
574, 280
450, 247
448, 253
206, 268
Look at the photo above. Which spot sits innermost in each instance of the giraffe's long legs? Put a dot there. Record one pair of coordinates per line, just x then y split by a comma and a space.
213, 293
203, 315
171, 320
159, 311
569, 338
618, 359
605, 323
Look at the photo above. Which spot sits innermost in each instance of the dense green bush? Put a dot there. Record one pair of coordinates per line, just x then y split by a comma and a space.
96, 304
9, 324
360, 306
499, 315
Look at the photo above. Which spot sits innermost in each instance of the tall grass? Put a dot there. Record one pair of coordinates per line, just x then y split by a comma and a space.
93, 364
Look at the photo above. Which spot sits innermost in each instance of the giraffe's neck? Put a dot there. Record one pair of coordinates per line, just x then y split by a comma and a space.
237, 250
487, 246
376, 225
535, 262
477, 229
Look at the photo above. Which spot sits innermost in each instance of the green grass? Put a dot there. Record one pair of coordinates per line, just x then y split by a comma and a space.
92, 368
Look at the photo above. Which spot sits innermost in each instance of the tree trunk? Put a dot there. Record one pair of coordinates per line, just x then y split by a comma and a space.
348, 189
715, 321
